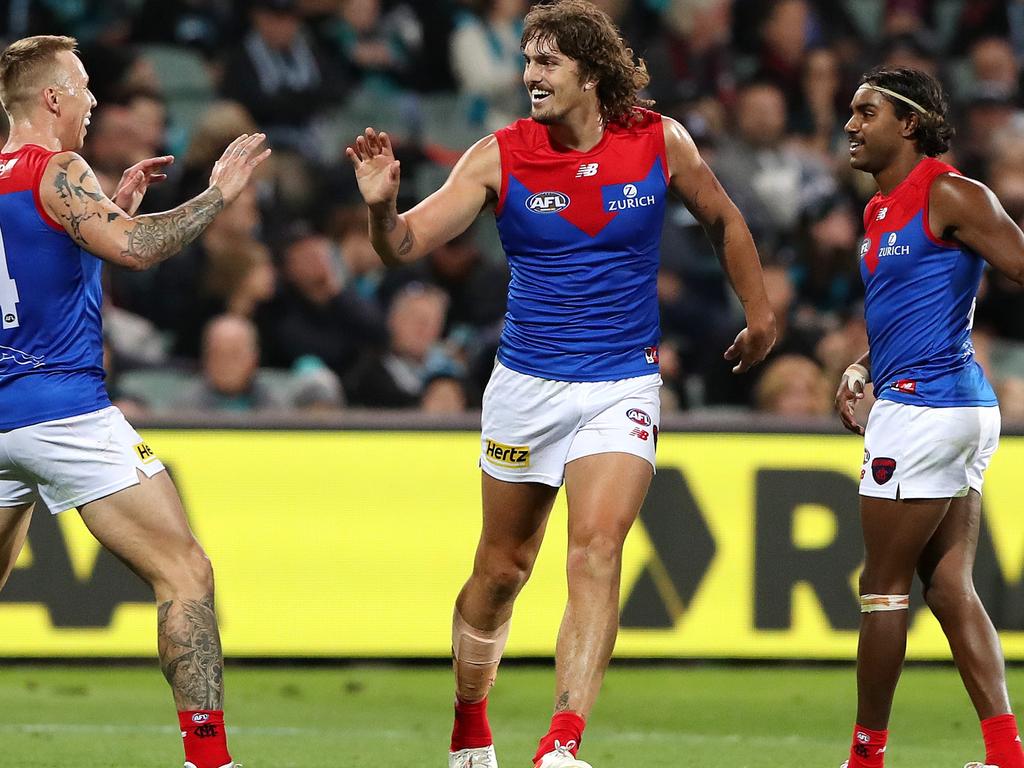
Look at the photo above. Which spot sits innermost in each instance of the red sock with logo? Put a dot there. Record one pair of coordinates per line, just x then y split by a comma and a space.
471, 727
566, 729
206, 743
1002, 741
868, 748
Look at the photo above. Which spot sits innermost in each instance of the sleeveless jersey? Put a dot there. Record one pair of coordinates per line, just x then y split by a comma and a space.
51, 346
919, 301
582, 232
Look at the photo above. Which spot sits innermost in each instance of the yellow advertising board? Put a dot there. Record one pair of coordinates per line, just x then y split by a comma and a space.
353, 544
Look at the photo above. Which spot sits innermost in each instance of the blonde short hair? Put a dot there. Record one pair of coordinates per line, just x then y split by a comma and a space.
25, 64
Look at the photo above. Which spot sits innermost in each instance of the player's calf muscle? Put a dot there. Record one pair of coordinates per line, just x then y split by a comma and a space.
190, 652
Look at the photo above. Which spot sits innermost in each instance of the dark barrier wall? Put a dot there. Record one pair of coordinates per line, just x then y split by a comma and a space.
354, 543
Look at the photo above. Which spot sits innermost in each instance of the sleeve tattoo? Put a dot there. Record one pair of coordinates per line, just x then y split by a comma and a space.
148, 239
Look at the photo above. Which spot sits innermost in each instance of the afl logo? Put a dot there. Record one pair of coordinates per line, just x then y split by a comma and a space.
638, 417
548, 202
892, 239
629, 190
864, 245
200, 717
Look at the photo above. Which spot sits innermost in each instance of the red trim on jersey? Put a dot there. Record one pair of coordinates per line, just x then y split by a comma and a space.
29, 165
503, 189
926, 222
663, 153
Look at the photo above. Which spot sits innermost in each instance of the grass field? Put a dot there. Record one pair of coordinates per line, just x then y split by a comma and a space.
363, 717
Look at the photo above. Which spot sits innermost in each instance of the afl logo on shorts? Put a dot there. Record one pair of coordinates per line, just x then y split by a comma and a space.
882, 469
639, 417
547, 202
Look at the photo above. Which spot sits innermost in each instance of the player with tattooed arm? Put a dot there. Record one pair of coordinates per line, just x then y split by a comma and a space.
60, 438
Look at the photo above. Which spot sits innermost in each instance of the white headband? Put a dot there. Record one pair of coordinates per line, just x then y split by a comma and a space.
895, 95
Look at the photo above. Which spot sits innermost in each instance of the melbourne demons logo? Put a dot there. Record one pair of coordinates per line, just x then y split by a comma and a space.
548, 202
882, 469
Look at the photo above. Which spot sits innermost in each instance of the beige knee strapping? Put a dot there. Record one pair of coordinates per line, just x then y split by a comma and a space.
874, 603
476, 653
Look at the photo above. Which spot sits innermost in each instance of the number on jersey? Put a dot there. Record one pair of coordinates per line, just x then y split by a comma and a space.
8, 292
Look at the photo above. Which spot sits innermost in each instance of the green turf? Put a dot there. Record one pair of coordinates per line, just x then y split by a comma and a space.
382, 717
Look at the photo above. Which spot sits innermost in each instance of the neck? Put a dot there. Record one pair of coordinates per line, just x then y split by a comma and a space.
890, 177
33, 131
579, 133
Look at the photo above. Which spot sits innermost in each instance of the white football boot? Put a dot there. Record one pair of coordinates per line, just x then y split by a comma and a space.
476, 757
980, 765
561, 757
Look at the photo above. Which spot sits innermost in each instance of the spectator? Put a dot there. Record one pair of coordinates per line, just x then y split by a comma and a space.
315, 312
488, 62
230, 364
398, 376
281, 77
369, 46
203, 25
793, 385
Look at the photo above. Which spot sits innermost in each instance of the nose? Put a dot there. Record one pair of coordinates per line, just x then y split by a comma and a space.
851, 125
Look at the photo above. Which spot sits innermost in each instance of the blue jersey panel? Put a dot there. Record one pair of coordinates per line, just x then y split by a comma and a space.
51, 355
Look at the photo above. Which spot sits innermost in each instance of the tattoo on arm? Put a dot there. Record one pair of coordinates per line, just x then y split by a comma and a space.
563, 702
190, 653
79, 197
158, 236
406, 245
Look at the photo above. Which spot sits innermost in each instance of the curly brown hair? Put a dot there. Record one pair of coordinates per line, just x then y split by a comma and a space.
586, 34
934, 131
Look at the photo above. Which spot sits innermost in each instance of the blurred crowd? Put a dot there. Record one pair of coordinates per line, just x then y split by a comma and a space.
282, 303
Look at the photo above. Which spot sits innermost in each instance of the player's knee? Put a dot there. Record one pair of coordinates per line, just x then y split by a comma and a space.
597, 555
188, 570
503, 577
946, 599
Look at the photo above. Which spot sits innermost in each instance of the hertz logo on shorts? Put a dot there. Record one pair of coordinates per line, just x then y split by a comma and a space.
513, 456
146, 454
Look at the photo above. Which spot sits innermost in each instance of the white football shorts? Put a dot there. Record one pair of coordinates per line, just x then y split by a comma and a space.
72, 461
533, 427
918, 452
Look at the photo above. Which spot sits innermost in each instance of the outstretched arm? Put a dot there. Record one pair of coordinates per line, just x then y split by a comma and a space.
966, 210
703, 195
71, 194
448, 212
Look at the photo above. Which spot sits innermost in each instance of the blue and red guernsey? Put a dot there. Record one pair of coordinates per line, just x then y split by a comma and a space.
582, 232
919, 300
51, 345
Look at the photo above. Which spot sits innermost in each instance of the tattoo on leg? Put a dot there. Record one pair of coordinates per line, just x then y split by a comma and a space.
563, 702
190, 652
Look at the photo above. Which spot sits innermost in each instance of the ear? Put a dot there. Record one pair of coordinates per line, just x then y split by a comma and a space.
589, 85
52, 100
910, 125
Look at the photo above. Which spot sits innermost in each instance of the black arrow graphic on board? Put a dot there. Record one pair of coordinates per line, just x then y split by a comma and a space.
683, 551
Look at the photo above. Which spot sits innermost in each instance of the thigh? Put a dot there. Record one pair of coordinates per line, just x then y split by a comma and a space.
515, 516
13, 529
949, 555
605, 492
144, 525
895, 535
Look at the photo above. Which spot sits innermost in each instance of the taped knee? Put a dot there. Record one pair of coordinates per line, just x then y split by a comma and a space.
875, 603
477, 653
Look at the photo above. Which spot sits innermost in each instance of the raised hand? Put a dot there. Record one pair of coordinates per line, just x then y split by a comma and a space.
234, 169
136, 180
377, 171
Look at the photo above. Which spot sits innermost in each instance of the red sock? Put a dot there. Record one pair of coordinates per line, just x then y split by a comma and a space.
567, 729
1002, 742
868, 748
471, 727
206, 743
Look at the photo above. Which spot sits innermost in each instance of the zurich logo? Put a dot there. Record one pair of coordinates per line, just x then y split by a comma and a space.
548, 202
629, 190
892, 239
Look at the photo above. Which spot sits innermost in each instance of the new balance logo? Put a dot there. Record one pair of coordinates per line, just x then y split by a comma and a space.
7, 167
881, 213
587, 169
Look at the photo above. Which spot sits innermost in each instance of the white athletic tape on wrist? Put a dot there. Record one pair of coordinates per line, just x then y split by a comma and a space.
875, 603
856, 377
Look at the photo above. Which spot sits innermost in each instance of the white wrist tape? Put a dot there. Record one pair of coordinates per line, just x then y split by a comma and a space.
856, 377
